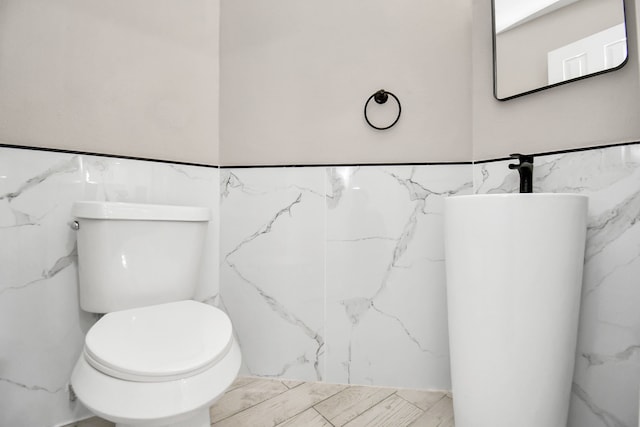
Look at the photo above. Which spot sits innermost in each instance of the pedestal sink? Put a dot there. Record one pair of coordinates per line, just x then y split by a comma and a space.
514, 272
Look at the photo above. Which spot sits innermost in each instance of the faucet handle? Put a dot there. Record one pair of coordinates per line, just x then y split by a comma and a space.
522, 157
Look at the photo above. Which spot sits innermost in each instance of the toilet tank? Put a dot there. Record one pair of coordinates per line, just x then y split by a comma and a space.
132, 255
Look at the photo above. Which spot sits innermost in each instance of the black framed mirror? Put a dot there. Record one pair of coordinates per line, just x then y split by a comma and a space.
538, 44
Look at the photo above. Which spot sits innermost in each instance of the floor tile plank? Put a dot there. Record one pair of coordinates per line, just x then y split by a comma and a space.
439, 415
342, 407
245, 396
92, 422
309, 418
394, 411
422, 399
291, 383
242, 381
282, 407
269, 402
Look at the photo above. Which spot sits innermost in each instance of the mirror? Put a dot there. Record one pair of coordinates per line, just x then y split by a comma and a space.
538, 44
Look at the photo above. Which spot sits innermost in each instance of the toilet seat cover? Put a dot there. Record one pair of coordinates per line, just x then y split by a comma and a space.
159, 343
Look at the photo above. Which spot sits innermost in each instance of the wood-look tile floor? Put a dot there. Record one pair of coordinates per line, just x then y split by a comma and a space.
257, 402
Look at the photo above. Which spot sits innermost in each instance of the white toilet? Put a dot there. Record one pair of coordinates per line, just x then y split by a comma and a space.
156, 358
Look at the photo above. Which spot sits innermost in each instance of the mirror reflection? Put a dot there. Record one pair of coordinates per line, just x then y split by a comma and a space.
544, 43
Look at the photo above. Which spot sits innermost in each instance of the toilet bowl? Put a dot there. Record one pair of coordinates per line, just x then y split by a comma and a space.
156, 357
161, 365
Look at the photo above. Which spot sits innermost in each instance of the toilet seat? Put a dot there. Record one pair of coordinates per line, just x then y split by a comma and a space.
159, 343
153, 404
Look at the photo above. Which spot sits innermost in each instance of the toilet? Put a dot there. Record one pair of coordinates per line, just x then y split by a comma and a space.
156, 358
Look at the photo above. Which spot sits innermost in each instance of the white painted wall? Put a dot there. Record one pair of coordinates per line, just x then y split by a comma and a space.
127, 77
295, 76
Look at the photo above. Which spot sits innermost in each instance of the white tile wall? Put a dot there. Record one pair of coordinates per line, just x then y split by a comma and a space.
41, 325
328, 273
385, 296
272, 268
337, 274
607, 372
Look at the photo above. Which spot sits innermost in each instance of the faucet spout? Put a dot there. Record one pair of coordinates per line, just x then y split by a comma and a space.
525, 170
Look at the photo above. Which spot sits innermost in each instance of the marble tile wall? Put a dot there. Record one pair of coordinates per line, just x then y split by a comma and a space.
331, 274
337, 274
373, 311
386, 320
607, 371
272, 268
41, 325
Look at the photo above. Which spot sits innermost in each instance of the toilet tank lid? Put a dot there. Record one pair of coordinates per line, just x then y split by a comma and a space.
139, 211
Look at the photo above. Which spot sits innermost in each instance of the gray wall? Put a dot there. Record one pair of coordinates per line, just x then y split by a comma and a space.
598, 110
295, 77
134, 78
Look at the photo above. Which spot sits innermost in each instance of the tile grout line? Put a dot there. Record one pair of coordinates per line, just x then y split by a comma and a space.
323, 417
312, 406
257, 403
372, 405
253, 380
413, 404
430, 406
290, 388
392, 394
285, 391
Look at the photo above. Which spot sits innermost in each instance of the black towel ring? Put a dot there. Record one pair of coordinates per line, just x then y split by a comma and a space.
381, 97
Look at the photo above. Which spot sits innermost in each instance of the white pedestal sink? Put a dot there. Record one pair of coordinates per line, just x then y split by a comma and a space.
514, 274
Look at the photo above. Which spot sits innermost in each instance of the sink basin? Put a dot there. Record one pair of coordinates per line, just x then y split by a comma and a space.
514, 273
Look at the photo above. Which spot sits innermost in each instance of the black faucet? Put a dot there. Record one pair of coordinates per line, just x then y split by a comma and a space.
525, 169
